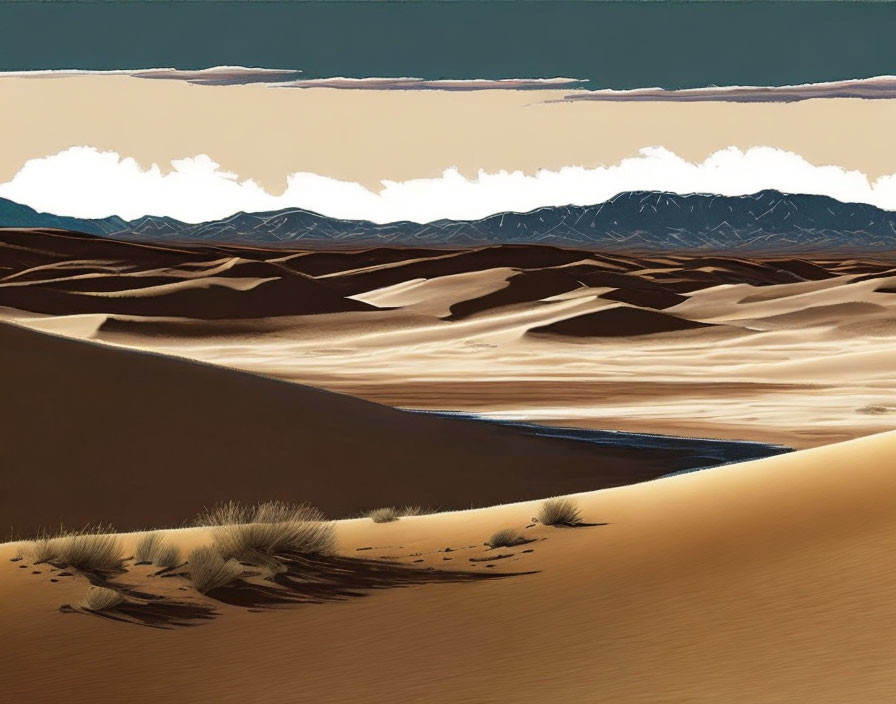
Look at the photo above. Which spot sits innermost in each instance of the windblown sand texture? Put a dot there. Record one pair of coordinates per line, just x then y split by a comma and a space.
792, 351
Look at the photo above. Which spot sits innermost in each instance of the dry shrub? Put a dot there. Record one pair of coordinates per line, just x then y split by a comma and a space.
102, 599
43, 549
387, 514
152, 549
89, 550
285, 512
209, 570
257, 533
506, 538
148, 547
167, 556
559, 512
224, 514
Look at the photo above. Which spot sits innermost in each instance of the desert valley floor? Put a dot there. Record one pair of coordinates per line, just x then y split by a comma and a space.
143, 382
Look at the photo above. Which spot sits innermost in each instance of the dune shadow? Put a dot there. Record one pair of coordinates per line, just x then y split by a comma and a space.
160, 612
144, 608
317, 579
303, 579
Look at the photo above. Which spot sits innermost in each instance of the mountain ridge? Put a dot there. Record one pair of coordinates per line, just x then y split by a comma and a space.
766, 221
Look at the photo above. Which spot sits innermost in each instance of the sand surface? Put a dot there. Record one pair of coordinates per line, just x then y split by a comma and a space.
94, 434
766, 581
790, 351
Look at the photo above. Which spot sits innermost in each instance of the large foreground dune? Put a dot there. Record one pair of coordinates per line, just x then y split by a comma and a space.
769, 581
98, 434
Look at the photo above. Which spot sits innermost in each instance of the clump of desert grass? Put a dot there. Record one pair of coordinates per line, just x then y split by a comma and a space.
388, 514
226, 513
94, 549
258, 533
167, 556
153, 550
147, 548
44, 548
102, 599
210, 570
506, 538
559, 512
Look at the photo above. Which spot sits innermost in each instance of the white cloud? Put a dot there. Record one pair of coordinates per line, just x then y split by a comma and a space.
84, 182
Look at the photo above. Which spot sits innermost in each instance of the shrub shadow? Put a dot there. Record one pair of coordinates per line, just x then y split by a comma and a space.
315, 579
302, 579
143, 608
161, 613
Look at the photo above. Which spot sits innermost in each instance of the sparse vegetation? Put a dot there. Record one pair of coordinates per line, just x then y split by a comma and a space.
387, 514
224, 514
559, 512
209, 570
148, 548
167, 556
257, 533
89, 550
152, 550
506, 538
102, 599
43, 549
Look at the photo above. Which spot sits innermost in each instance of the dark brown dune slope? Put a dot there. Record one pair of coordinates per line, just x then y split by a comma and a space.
38, 270
515, 256
621, 321
92, 433
208, 299
536, 284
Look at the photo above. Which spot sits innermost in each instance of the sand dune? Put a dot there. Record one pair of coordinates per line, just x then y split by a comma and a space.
439, 296
541, 283
765, 581
96, 434
450, 329
517, 256
210, 298
619, 321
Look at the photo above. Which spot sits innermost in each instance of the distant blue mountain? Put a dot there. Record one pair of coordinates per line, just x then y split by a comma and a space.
768, 221
13, 214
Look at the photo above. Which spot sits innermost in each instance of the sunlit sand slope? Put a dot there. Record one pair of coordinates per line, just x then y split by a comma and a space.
766, 581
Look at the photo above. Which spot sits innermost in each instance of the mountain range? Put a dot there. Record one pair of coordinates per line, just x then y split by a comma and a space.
767, 221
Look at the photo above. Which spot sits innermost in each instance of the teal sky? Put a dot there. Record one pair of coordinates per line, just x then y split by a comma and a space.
613, 44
